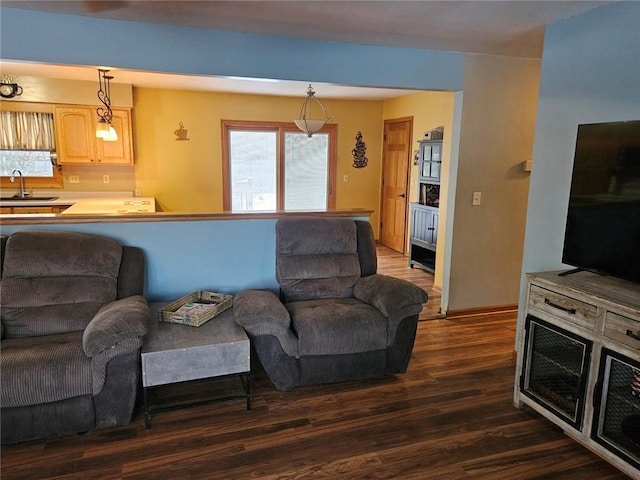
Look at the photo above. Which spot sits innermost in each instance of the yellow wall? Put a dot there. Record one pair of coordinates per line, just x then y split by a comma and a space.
429, 110
186, 176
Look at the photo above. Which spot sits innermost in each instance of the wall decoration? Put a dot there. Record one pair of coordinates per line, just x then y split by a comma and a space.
8, 88
359, 160
181, 132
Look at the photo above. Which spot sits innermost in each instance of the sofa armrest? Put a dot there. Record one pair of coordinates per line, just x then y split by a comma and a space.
395, 298
388, 294
116, 322
260, 312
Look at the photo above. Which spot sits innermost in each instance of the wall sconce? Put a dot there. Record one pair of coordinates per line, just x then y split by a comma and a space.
9, 89
104, 129
306, 122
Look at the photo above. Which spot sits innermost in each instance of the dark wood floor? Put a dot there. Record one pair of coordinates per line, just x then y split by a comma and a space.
395, 264
450, 417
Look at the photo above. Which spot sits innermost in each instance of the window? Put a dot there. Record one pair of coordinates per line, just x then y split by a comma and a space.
270, 166
27, 142
30, 163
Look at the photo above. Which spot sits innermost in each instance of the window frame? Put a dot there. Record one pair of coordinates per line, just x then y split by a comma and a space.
280, 128
33, 182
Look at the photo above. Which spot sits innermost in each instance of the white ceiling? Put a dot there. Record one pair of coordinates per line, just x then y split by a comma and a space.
514, 28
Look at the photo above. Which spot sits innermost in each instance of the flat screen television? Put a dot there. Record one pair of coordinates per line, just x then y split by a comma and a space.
603, 220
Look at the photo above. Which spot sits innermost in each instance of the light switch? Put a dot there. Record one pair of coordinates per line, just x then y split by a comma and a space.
476, 198
345, 178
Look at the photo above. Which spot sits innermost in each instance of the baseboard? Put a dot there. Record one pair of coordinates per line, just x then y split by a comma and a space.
473, 312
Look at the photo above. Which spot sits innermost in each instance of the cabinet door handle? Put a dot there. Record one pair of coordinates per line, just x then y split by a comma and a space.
635, 336
403, 195
570, 311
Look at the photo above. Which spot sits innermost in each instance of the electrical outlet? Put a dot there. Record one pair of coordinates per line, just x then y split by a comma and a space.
74, 179
137, 192
105, 178
477, 196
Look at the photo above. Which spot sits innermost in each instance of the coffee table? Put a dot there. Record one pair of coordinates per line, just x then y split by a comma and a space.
174, 353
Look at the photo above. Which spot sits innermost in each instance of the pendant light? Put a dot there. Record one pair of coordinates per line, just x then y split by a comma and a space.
105, 129
306, 122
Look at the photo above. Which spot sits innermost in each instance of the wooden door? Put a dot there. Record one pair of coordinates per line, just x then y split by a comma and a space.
395, 172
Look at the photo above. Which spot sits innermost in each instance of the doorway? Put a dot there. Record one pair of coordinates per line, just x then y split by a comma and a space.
396, 159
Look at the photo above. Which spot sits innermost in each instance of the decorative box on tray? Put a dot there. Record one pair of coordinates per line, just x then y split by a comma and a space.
196, 308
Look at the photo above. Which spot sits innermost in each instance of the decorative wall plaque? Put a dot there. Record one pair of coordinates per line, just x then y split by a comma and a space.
181, 133
359, 160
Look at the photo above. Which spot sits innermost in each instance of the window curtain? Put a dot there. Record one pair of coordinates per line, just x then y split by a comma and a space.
26, 131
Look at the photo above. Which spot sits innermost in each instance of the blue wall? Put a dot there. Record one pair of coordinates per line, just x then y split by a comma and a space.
223, 256
184, 256
590, 73
68, 39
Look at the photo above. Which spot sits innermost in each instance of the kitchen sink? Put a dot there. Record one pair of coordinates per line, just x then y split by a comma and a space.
17, 198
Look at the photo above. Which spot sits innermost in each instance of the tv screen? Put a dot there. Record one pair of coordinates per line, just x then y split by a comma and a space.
603, 220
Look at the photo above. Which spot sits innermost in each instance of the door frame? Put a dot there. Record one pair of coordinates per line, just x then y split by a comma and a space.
408, 181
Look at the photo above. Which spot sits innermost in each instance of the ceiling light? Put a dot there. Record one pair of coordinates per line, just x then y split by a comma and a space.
105, 129
306, 122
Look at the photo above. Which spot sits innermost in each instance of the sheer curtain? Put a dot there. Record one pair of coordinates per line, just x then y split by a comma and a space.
26, 131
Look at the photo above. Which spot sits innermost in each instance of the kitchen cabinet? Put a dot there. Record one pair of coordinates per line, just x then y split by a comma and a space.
579, 361
76, 141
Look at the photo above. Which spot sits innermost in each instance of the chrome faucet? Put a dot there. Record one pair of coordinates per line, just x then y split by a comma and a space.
23, 194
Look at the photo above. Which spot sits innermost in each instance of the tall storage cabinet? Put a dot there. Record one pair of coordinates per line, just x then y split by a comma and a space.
579, 361
424, 214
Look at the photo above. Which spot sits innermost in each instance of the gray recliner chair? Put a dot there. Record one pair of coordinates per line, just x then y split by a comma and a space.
336, 318
73, 318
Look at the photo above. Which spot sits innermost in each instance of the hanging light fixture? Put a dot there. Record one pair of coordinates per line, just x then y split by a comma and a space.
306, 122
105, 129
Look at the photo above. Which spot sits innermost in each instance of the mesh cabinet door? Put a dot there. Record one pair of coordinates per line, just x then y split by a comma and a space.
616, 424
555, 369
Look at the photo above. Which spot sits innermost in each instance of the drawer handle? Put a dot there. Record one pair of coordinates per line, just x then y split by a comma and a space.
635, 336
570, 311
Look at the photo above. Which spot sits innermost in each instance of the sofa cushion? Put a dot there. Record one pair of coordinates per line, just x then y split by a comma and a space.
337, 326
316, 257
55, 282
44, 369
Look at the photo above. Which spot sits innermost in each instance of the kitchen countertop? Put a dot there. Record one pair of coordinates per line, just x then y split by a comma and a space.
62, 198
86, 203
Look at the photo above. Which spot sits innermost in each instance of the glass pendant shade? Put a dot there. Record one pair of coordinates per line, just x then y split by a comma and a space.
111, 136
102, 129
306, 122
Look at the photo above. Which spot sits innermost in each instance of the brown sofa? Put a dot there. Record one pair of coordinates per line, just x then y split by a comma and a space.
73, 317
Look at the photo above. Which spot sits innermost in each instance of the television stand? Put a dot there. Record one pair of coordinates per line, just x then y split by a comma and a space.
579, 361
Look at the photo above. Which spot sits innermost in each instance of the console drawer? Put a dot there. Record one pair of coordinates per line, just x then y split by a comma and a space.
561, 306
622, 329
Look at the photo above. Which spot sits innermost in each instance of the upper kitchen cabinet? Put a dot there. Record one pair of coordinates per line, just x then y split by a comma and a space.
77, 143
